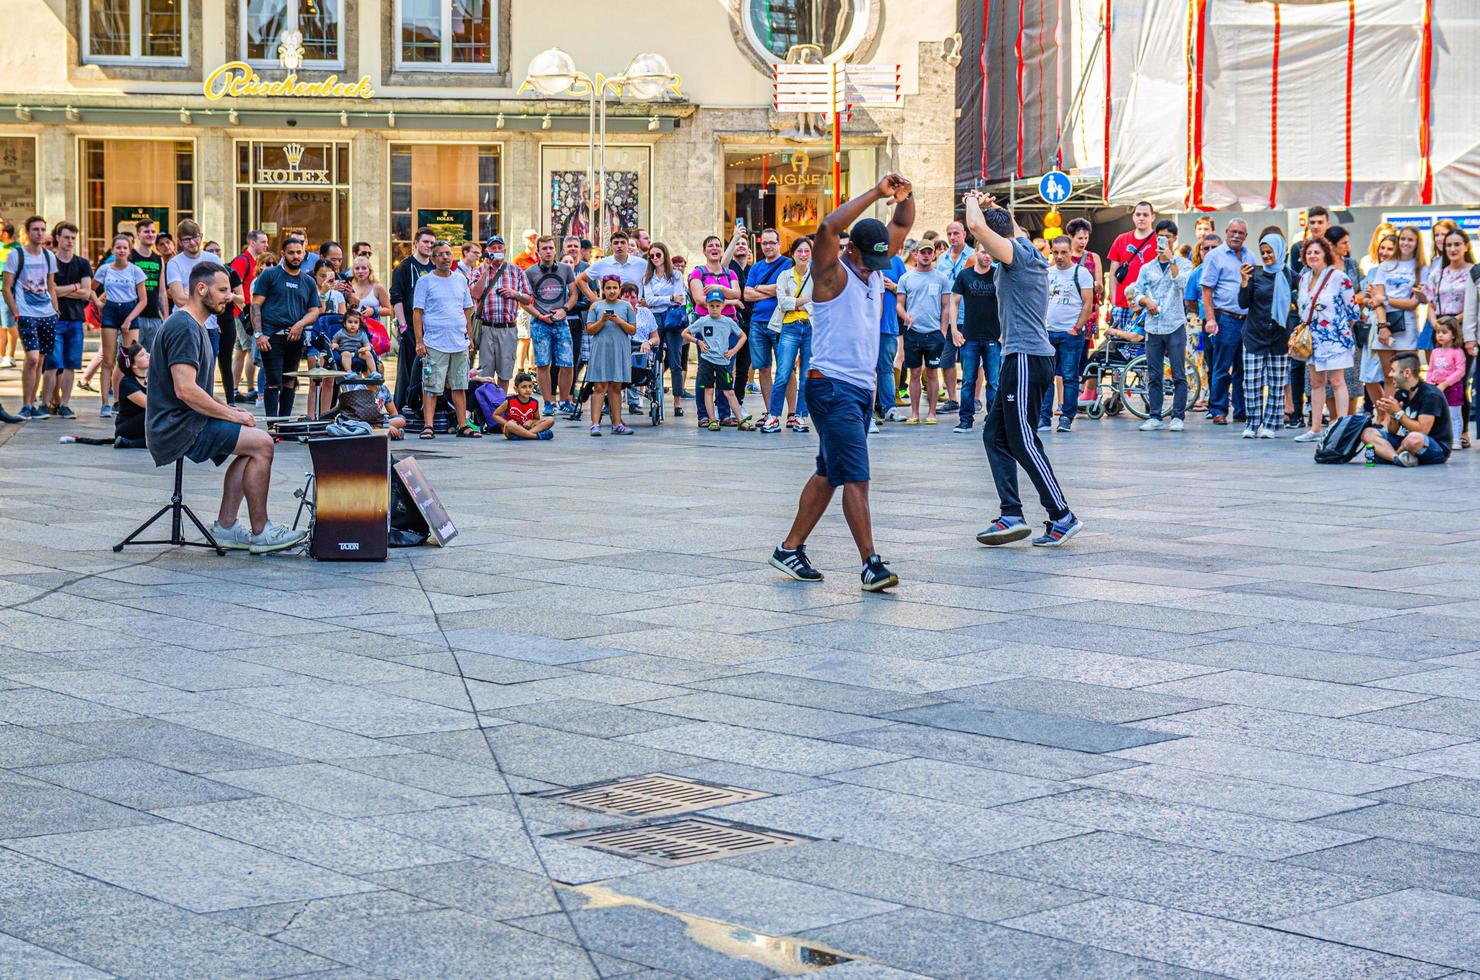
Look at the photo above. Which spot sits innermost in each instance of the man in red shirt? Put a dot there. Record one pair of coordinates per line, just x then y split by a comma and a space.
245, 266
1132, 249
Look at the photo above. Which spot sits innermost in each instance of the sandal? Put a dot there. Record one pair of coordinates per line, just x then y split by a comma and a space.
86, 385
713, 426
747, 425
730, 423
468, 432
428, 434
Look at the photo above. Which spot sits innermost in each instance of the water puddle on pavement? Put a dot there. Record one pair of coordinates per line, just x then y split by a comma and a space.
781, 954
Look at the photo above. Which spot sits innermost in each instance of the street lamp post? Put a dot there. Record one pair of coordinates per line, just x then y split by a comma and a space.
554, 72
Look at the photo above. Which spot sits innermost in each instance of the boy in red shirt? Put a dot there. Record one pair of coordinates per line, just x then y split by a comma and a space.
520, 415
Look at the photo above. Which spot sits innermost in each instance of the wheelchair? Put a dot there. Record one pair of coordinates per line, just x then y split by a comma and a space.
1120, 374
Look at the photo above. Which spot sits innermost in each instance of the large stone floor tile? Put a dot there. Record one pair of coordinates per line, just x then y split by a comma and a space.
335, 790
348, 846
770, 750
442, 943
1232, 758
1395, 821
185, 867
1037, 728
1180, 823
909, 880
894, 822
1217, 946
953, 948
1418, 923
1108, 705
1187, 878
812, 693
1258, 797
1042, 761
1441, 793
951, 783
1404, 864
136, 784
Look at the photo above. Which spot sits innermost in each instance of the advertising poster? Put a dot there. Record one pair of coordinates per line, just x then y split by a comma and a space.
453, 224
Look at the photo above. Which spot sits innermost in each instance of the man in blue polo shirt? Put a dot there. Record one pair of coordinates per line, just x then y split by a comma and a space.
1222, 276
760, 294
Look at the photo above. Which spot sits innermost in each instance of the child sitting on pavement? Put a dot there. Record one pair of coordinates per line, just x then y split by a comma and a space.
520, 415
718, 338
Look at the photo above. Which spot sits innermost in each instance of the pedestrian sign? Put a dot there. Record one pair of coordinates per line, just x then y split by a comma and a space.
1054, 187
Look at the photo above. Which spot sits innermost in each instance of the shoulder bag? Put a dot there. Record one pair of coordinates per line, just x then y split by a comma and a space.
1302, 344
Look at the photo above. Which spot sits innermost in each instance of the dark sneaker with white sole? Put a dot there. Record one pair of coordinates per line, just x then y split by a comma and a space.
1057, 532
1004, 530
795, 564
876, 576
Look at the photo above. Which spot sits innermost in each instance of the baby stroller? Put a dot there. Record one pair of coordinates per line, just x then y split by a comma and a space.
646, 384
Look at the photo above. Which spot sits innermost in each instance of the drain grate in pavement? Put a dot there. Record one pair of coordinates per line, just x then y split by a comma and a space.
654, 795
682, 841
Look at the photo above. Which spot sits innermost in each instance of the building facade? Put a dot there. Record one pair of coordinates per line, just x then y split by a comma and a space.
358, 121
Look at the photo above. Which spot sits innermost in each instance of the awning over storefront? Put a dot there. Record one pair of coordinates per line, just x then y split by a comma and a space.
1224, 104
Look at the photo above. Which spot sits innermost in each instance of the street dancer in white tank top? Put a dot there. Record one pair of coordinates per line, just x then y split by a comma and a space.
847, 290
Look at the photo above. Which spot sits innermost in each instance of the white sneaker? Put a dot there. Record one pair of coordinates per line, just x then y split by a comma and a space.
896, 415
6, 362
1309, 435
1249, 432
1152, 425
276, 537
873, 427
234, 538
1177, 425
1265, 432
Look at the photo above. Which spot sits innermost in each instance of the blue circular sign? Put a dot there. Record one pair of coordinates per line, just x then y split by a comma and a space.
1054, 187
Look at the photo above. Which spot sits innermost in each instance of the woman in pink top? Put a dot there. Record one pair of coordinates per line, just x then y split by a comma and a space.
1450, 289
1447, 369
713, 275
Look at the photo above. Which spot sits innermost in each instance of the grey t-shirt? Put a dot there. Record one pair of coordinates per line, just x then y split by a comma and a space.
922, 293
550, 287
1022, 301
171, 426
720, 333
286, 299
350, 343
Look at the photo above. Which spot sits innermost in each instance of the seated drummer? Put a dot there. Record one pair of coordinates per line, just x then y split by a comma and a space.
183, 420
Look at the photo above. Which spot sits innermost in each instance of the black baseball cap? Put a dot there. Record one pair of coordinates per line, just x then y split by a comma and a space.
870, 239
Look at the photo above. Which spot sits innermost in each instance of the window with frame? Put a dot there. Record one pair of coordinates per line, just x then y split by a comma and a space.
319, 25
458, 35
130, 31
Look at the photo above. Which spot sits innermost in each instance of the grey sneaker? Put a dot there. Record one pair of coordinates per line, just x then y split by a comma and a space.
237, 537
276, 537
1406, 459
1152, 425
105, 412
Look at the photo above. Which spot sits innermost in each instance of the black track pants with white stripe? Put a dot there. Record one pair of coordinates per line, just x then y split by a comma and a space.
1012, 439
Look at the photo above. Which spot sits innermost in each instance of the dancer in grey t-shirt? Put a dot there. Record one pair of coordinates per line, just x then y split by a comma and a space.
1027, 373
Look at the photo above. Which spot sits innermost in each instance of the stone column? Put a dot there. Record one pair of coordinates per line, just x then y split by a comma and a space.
926, 151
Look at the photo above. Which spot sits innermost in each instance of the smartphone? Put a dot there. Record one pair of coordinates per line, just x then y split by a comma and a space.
1161, 241
739, 225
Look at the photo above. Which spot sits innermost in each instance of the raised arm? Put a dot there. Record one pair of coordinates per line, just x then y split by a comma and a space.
976, 223
827, 272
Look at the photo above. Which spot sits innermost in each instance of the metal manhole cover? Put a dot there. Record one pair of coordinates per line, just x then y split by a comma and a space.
682, 841
654, 795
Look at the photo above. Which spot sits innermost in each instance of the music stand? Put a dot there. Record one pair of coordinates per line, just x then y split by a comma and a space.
177, 510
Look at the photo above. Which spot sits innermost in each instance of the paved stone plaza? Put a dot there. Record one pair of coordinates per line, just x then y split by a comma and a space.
1232, 729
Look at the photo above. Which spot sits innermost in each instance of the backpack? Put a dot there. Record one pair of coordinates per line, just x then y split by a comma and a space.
1343, 439
487, 398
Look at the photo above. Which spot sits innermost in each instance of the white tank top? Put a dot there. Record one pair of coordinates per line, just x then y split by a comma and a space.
845, 331
371, 302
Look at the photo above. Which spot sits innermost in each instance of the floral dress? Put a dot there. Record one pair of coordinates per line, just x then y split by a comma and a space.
1331, 315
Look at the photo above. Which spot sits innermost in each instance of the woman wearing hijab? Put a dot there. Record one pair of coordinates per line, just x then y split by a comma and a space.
1267, 294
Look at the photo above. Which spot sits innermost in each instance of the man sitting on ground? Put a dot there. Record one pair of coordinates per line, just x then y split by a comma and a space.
1415, 429
183, 420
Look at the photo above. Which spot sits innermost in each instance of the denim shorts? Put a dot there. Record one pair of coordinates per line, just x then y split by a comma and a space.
114, 314
215, 442
763, 348
1431, 454
840, 414
548, 335
66, 349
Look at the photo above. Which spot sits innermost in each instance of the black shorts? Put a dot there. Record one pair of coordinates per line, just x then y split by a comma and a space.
713, 375
923, 349
215, 442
